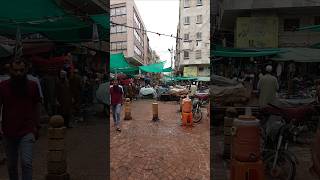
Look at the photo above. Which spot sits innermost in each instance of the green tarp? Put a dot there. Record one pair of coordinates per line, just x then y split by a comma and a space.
119, 64
311, 28
169, 69
153, 68
234, 52
299, 55
47, 18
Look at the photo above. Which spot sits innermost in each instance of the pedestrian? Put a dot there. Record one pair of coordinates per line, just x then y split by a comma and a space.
117, 96
64, 98
268, 87
20, 101
75, 87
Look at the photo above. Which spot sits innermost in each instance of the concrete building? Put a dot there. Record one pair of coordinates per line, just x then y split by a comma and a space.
259, 24
193, 45
132, 42
287, 16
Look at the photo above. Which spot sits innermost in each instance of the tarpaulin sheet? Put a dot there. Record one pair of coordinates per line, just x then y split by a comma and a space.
47, 18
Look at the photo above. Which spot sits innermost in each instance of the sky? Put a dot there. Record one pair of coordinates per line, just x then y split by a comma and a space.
160, 16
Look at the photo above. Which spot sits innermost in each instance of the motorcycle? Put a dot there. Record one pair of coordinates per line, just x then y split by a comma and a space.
199, 100
300, 117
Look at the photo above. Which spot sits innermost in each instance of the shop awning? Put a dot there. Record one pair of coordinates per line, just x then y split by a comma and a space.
47, 18
153, 68
206, 79
118, 63
169, 69
311, 28
234, 52
299, 55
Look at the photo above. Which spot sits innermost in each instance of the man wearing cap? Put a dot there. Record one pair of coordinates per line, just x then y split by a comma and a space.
268, 86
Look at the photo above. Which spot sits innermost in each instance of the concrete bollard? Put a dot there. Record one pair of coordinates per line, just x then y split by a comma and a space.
56, 157
127, 110
155, 112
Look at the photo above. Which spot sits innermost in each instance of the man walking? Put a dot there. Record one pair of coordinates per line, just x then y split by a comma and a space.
20, 100
116, 92
268, 86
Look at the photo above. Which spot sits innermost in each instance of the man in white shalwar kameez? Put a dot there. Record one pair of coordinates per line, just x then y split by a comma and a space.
268, 86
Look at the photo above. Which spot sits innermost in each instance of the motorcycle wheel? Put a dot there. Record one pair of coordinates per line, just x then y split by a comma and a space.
197, 115
285, 168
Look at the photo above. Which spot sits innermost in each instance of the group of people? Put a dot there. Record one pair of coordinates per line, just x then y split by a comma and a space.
22, 96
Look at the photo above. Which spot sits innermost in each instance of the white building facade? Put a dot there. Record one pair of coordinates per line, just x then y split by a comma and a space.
193, 47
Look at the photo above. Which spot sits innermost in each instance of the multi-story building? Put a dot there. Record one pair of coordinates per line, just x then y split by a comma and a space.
193, 42
259, 24
132, 42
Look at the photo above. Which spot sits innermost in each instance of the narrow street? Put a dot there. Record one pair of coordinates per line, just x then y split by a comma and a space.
161, 150
86, 152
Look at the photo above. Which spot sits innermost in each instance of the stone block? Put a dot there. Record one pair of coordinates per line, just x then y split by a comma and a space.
56, 144
56, 156
56, 133
64, 176
57, 167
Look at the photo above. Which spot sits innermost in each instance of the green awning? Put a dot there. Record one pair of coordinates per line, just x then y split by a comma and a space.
206, 79
47, 18
299, 55
233, 52
169, 69
153, 68
311, 28
119, 64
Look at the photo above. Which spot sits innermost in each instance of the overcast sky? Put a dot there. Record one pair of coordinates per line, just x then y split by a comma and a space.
160, 16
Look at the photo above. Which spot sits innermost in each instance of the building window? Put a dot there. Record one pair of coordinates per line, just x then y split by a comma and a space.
137, 51
187, 20
113, 12
118, 11
120, 45
137, 36
198, 54
201, 69
186, 54
317, 20
199, 3
136, 20
291, 24
186, 37
199, 19
186, 3
118, 29
199, 36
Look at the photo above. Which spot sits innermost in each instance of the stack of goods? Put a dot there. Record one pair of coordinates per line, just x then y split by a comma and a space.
229, 95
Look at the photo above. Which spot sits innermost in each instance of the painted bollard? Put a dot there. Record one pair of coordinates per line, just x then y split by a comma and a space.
56, 157
127, 110
155, 112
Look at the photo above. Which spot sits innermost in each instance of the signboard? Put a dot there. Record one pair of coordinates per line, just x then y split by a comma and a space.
257, 32
191, 71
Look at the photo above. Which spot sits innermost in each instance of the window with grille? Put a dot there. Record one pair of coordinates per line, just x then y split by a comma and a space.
187, 20
199, 36
186, 37
199, 3
118, 11
198, 54
291, 24
186, 54
199, 19
186, 3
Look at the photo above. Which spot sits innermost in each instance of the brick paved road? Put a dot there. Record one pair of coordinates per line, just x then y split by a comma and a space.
163, 150
86, 150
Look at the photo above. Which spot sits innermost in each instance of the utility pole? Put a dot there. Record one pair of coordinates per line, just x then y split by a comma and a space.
171, 52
